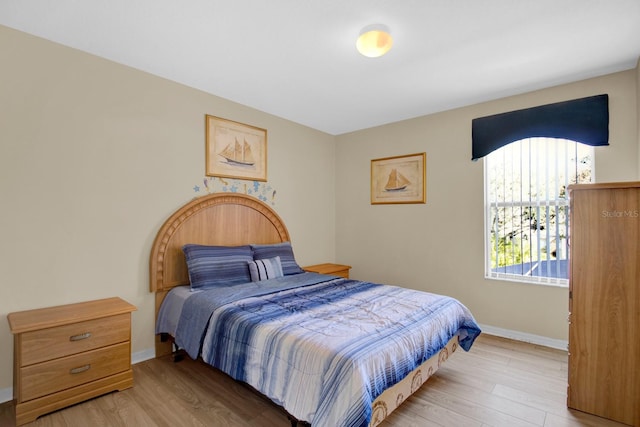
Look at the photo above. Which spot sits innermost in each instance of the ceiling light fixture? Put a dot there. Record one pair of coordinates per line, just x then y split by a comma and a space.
374, 40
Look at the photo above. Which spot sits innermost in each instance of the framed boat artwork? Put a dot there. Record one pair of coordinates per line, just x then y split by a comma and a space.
399, 179
235, 150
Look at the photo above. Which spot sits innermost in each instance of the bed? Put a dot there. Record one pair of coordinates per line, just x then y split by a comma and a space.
331, 351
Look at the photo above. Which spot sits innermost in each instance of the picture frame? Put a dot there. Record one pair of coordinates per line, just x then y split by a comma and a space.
399, 179
235, 150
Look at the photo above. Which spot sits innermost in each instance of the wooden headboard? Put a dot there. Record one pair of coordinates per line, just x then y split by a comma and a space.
223, 219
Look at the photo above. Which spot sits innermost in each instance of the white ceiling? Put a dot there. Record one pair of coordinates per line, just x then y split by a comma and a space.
296, 59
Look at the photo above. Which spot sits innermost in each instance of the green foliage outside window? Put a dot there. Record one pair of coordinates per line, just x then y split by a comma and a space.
527, 203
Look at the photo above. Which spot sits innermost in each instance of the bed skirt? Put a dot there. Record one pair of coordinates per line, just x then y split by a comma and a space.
393, 397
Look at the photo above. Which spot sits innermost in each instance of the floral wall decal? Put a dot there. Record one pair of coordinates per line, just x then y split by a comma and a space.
260, 190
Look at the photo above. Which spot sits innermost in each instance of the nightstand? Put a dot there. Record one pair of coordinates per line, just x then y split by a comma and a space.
328, 268
70, 353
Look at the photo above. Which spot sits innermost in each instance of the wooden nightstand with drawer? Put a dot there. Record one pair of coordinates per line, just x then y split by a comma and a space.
70, 353
328, 268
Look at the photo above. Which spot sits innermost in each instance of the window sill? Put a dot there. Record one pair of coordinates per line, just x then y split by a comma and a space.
528, 280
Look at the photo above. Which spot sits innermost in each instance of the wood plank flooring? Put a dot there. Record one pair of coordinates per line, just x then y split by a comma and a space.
499, 382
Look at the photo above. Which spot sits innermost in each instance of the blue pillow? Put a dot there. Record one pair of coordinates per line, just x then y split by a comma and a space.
217, 265
284, 251
263, 269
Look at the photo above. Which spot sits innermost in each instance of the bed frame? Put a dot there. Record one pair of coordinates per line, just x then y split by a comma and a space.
223, 219
233, 219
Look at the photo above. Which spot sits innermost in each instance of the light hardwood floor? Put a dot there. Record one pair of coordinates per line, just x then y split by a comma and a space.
499, 382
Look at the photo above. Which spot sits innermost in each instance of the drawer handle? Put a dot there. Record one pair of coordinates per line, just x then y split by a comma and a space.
80, 369
80, 337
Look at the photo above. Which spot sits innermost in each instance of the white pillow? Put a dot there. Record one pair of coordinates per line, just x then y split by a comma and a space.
263, 269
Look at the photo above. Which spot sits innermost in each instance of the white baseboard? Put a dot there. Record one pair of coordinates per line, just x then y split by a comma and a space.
141, 356
6, 394
523, 336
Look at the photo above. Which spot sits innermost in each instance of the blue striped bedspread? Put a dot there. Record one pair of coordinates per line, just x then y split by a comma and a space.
326, 347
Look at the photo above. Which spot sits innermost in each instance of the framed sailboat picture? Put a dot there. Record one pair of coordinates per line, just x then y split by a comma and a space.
235, 150
399, 179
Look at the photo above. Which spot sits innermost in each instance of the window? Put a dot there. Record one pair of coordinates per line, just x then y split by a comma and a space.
531, 157
527, 209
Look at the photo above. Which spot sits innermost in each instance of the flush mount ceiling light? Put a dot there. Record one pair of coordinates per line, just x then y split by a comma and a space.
374, 41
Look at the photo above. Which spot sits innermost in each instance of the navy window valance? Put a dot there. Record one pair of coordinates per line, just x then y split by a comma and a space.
584, 120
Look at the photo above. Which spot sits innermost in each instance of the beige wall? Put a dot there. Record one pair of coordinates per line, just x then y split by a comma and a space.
638, 111
94, 156
438, 246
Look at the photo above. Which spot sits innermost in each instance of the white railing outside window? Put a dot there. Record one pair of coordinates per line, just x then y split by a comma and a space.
527, 209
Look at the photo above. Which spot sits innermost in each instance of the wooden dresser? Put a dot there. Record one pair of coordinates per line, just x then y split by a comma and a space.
66, 354
604, 301
328, 268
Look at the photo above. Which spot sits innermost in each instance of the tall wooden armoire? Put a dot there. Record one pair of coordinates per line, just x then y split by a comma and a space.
604, 301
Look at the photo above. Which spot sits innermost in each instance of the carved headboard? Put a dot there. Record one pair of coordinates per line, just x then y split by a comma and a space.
224, 219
